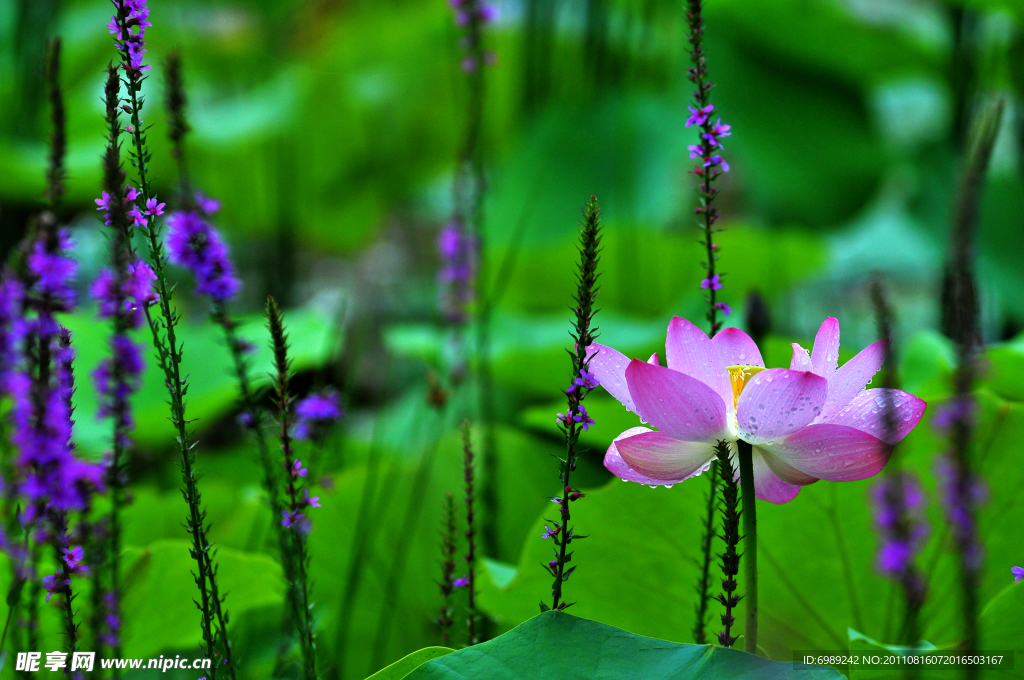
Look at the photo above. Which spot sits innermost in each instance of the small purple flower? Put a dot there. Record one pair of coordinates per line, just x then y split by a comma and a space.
586, 380
153, 208
316, 414
292, 518
54, 584
1018, 574
73, 559
583, 418
696, 151
716, 133
714, 283
724, 308
297, 469
699, 116
461, 582
311, 501
197, 246
553, 564
551, 533
563, 419
717, 160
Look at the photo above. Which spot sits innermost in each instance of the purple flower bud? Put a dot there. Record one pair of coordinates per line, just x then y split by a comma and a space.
461, 582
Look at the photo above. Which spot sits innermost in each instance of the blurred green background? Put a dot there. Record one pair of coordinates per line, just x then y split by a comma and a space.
329, 129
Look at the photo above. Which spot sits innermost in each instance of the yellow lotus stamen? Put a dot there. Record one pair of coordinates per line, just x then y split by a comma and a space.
739, 376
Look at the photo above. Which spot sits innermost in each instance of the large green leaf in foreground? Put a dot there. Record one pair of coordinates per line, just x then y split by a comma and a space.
557, 645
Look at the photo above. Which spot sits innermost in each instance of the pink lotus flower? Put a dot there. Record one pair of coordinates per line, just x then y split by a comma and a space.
811, 421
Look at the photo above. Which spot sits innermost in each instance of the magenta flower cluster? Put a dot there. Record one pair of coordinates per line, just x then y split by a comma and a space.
196, 245
711, 140
132, 39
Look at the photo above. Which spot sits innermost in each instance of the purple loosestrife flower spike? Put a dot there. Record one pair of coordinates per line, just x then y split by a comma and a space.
294, 519
129, 23
960, 319
576, 416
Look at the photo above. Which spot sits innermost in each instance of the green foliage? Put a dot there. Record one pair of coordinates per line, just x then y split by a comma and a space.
407, 664
557, 645
212, 387
157, 603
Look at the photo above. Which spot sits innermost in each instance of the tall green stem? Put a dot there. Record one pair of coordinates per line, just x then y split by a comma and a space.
746, 456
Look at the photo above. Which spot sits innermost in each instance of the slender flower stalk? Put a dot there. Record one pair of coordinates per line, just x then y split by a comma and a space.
124, 291
462, 246
58, 141
576, 418
963, 486
710, 167
128, 26
445, 616
898, 497
730, 559
469, 472
294, 518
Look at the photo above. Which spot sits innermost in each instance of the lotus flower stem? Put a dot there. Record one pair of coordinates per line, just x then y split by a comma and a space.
469, 472
746, 460
444, 616
576, 418
169, 349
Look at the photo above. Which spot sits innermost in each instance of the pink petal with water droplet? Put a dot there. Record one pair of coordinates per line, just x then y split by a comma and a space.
801, 360
851, 378
681, 406
609, 366
837, 453
656, 456
825, 354
689, 350
737, 348
867, 413
778, 401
